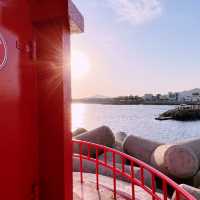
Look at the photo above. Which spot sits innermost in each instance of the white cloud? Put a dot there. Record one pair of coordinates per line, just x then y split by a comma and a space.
136, 11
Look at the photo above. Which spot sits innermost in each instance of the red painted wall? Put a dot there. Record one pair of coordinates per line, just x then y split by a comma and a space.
34, 90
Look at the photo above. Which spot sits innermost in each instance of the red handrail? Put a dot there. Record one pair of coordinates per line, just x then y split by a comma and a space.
166, 182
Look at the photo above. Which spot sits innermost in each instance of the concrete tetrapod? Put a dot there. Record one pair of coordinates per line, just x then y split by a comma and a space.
102, 135
196, 180
195, 192
78, 131
175, 160
140, 148
194, 145
109, 157
119, 139
90, 167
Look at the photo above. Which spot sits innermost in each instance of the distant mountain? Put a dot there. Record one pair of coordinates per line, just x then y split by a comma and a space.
98, 96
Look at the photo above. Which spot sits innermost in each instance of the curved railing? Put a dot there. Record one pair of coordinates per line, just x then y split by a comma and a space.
85, 149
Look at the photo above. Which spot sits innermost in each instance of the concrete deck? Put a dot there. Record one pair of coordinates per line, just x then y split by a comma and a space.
87, 190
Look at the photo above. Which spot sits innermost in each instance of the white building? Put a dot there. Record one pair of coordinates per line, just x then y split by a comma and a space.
148, 97
173, 97
187, 99
196, 97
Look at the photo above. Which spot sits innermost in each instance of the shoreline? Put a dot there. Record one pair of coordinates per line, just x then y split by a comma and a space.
122, 104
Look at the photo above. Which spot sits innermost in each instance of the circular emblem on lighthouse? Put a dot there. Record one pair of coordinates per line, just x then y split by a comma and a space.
3, 52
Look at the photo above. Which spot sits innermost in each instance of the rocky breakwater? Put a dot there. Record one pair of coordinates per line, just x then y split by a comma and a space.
181, 114
104, 136
179, 161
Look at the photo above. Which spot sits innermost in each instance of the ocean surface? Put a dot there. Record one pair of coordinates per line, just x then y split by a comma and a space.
134, 119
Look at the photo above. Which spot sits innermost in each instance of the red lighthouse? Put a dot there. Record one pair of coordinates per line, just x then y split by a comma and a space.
35, 145
35, 131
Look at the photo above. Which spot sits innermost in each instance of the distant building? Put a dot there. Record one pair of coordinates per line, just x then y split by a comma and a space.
189, 96
164, 98
196, 97
187, 99
148, 97
173, 97
157, 97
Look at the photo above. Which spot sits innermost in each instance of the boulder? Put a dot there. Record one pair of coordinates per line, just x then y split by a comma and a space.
78, 131
102, 135
140, 148
175, 160
195, 192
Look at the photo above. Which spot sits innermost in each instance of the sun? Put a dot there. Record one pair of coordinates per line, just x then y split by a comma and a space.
80, 64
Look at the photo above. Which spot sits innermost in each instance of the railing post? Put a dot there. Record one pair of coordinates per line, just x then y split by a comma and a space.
114, 176
132, 180
123, 163
81, 162
164, 190
142, 175
97, 169
88, 151
153, 186
105, 156
177, 195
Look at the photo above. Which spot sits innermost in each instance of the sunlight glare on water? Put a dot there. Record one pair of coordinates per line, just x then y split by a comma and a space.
78, 115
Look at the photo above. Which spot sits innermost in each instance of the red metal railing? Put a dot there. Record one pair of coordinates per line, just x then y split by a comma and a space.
167, 184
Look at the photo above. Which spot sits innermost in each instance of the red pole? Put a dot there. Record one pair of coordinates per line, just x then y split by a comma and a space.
54, 93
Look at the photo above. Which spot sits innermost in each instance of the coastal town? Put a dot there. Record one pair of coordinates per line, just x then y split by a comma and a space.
190, 97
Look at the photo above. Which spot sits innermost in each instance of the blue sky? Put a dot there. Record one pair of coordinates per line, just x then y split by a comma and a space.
138, 46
